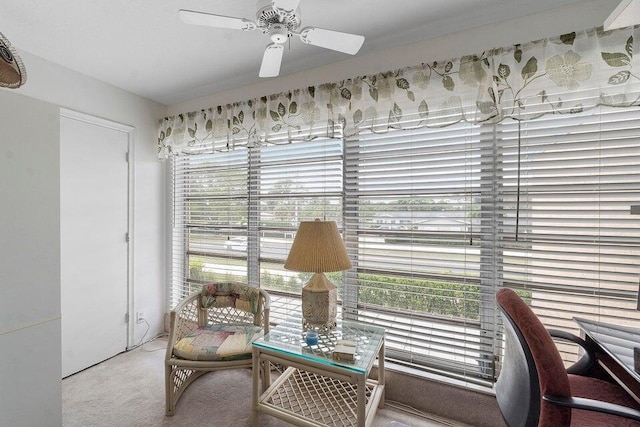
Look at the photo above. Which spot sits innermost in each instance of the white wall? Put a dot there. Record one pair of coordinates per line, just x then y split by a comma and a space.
60, 86
585, 15
30, 392
30, 228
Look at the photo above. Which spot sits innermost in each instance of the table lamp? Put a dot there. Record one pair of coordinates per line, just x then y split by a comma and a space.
12, 72
318, 248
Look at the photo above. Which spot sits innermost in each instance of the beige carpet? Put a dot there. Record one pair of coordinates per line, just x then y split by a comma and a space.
128, 390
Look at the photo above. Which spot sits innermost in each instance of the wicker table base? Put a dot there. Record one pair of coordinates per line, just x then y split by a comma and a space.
316, 390
327, 401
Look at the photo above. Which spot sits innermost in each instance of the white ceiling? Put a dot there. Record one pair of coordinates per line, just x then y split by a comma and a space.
142, 46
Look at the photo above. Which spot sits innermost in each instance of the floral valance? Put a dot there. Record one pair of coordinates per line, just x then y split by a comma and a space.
560, 75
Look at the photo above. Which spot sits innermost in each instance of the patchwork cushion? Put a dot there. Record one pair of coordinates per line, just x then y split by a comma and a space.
221, 342
230, 294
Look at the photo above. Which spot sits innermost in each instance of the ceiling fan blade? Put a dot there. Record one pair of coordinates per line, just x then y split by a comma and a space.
213, 20
271, 60
288, 6
334, 40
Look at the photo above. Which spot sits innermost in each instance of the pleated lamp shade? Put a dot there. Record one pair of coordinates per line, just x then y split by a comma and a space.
12, 72
318, 248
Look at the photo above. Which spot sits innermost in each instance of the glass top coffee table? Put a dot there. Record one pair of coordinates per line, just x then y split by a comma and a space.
316, 389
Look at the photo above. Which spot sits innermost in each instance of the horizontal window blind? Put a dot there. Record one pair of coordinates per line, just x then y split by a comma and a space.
209, 229
567, 239
292, 183
412, 226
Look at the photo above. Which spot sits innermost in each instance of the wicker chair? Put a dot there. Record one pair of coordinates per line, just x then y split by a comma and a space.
210, 330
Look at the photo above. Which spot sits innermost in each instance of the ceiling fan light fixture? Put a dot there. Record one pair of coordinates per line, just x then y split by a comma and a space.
12, 71
279, 33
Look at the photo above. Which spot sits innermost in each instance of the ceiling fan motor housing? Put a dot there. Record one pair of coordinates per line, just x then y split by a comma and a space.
279, 23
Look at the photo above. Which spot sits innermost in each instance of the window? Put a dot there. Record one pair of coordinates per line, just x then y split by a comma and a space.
435, 220
209, 224
412, 225
577, 248
292, 183
438, 219
235, 214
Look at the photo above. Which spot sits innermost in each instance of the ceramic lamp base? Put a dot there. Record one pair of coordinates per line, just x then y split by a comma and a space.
319, 302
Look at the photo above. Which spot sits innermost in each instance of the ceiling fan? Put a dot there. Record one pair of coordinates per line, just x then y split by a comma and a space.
281, 20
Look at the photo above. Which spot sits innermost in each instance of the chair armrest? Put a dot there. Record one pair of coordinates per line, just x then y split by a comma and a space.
594, 405
588, 358
266, 306
182, 319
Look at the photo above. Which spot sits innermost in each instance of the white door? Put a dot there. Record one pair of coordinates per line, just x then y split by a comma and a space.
94, 251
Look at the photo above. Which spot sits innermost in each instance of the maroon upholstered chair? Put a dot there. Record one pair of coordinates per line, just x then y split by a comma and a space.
535, 389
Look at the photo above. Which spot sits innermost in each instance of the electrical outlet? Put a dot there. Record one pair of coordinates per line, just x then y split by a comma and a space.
140, 317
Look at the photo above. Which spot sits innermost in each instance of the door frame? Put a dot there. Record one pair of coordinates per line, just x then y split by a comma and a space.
130, 131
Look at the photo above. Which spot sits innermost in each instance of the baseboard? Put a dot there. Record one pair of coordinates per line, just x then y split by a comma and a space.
166, 323
442, 399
